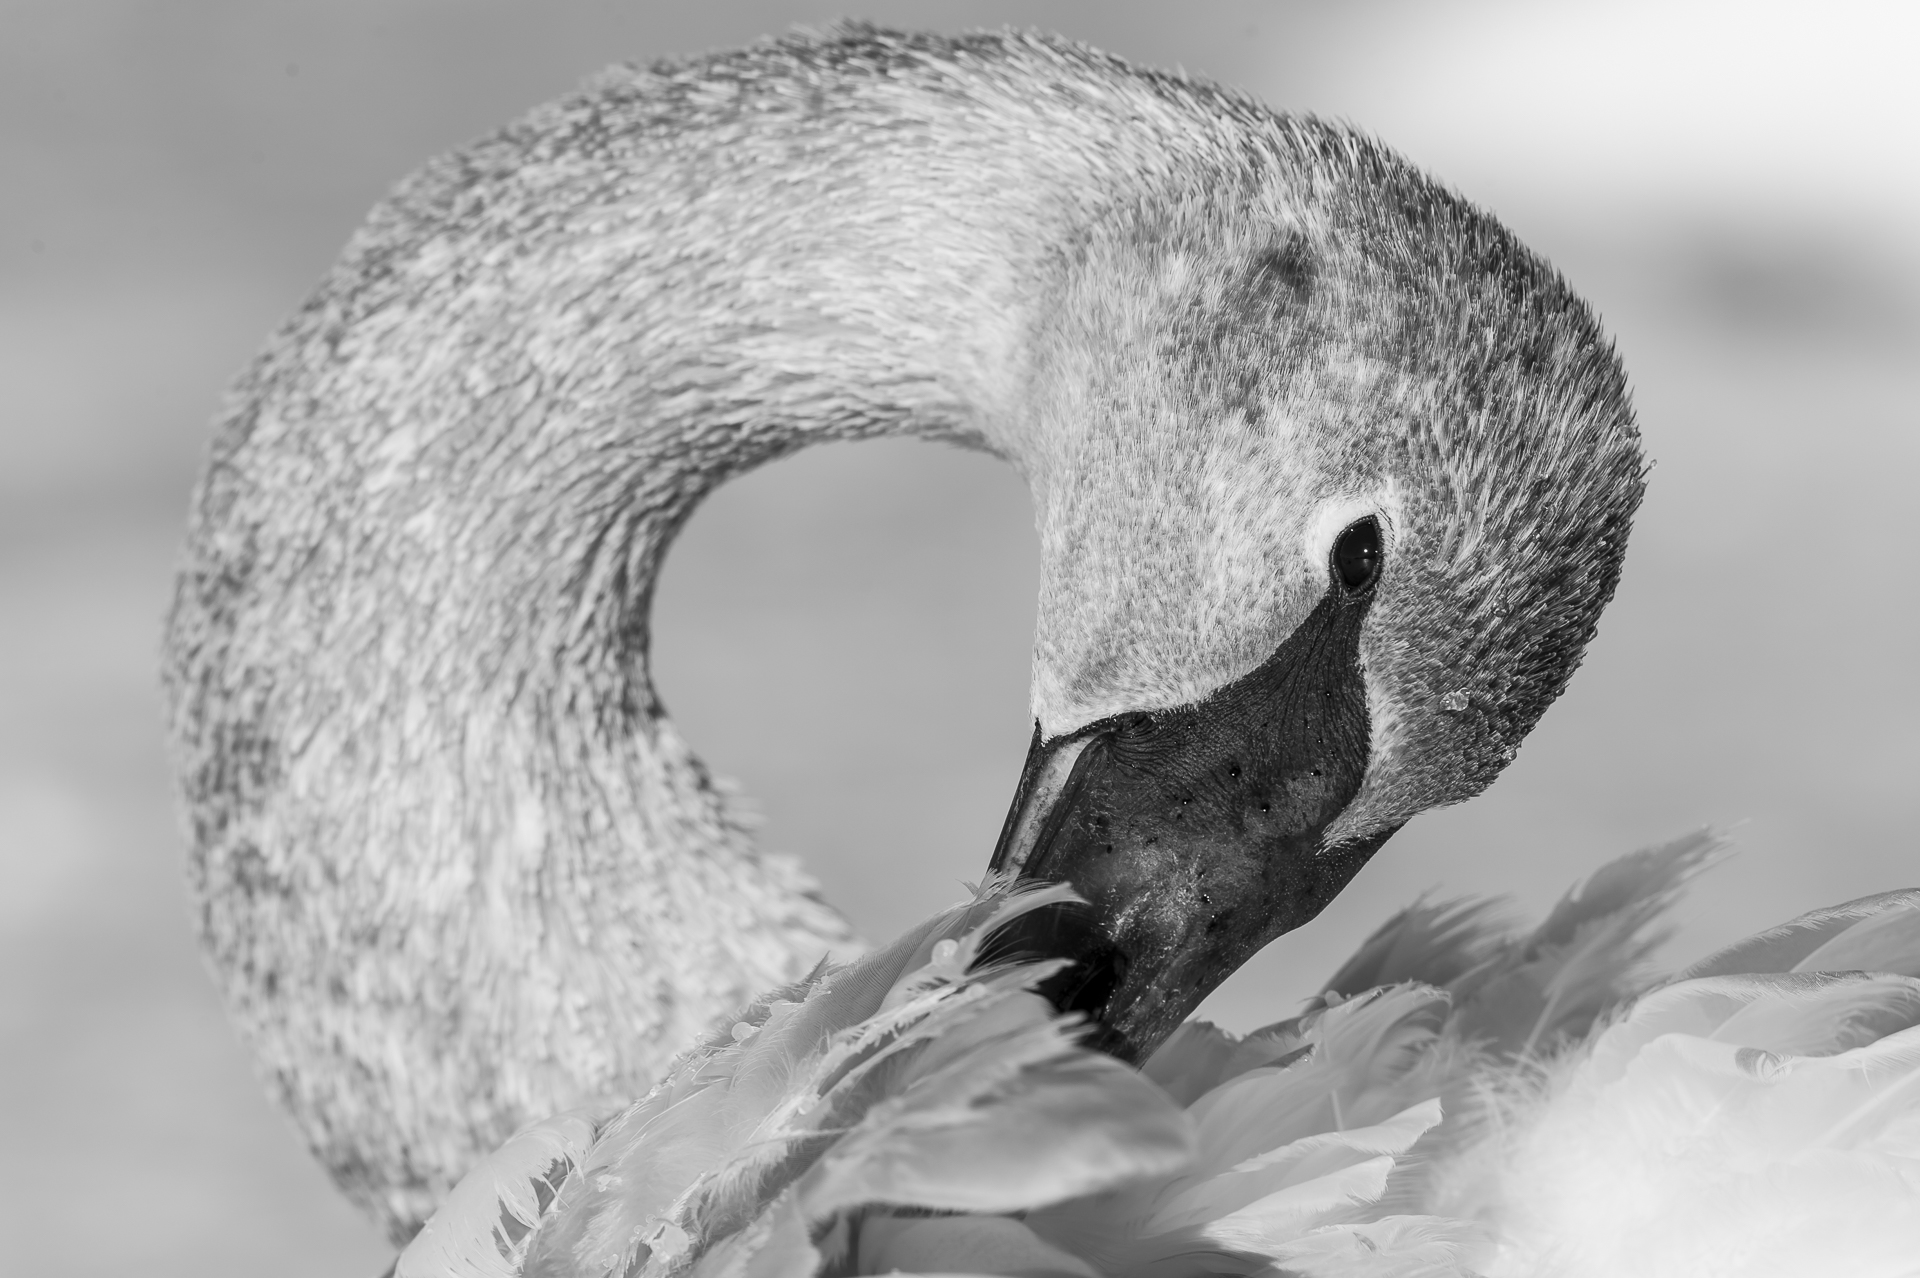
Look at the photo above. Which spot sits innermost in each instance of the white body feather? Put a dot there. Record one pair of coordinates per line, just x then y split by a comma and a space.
908, 1114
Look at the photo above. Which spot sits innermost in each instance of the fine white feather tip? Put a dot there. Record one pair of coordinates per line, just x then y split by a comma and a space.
483, 1228
921, 1109
920, 1072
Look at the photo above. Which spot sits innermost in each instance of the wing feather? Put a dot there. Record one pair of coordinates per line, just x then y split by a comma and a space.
1784, 948
483, 1228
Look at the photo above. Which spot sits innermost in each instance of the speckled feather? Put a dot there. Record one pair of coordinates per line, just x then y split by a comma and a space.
453, 865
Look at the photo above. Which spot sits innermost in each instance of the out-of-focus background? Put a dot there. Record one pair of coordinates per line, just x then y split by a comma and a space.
1736, 187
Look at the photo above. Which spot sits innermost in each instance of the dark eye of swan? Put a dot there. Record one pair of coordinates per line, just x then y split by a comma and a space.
1356, 555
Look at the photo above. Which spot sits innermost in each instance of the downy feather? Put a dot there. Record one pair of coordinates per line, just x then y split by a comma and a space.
1391, 1247
1301, 1130
1787, 947
923, 1111
1703, 1157
1750, 1123
483, 1228
911, 1075
1586, 956
1432, 942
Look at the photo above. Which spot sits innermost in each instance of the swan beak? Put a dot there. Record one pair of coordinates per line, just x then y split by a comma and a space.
1195, 835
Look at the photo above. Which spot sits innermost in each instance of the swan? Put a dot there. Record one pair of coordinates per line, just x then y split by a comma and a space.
1332, 479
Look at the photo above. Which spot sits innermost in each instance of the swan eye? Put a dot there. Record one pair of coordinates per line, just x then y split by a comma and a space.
1356, 555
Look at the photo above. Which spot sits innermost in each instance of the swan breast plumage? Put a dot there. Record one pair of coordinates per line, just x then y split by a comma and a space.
1506, 1105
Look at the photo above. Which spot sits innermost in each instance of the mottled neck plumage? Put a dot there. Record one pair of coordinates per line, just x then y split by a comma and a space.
453, 864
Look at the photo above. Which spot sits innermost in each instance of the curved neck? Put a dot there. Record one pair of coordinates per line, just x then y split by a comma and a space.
454, 865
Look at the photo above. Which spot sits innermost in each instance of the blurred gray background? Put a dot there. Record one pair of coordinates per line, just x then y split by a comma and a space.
1735, 186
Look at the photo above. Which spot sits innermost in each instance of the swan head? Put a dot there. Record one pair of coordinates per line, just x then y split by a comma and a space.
1338, 478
